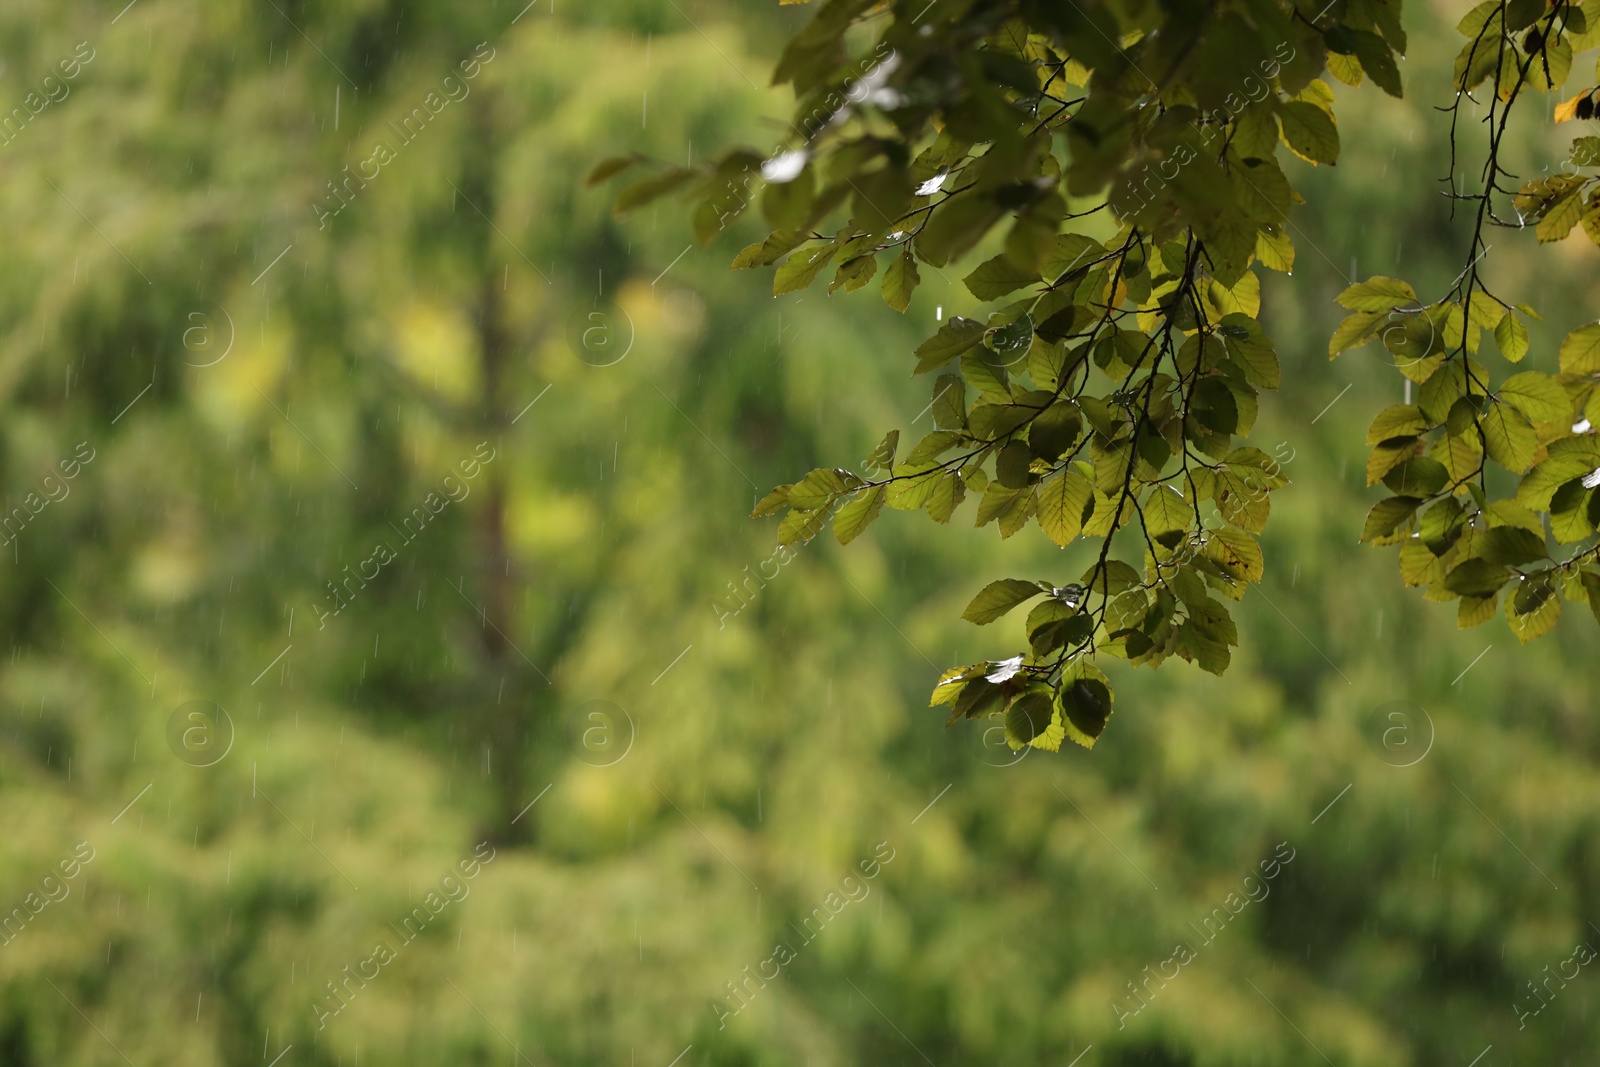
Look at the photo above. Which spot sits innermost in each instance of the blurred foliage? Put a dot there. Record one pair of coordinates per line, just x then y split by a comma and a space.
591, 663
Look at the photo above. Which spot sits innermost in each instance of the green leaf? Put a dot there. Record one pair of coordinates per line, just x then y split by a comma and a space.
1475, 20
1309, 132
1010, 340
1028, 717
1085, 706
953, 338
1165, 511
800, 526
1485, 311
607, 168
766, 252
912, 487
949, 404
1061, 504
1389, 455
1580, 352
857, 515
770, 503
1570, 457
802, 268
988, 376
978, 698
818, 489
1419, 566
1419, 476
999, 597
1055, 430
956, 227
1011, 466
1207, 635
1397, 420
952, 681
1512, 337
1109, 578
1237, 553
1560, 216
1386, 515
854, 273
1377, 294
1520, 14
882, 457
932, 447
1053, 624
1475, 610
996, 277
1569, 512
1538, 396
1511, 545
1508, 437
1085, 701
645, 190
1591, 585
1355, 331
948, 492
900, 281
1251, 349
1477, 577
1073, 251
1476, 61
1214, 406
1510, 513
1534, 610
1441, 525
1378, 61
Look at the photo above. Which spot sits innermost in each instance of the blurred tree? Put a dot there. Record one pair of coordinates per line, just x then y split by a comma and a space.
709, 738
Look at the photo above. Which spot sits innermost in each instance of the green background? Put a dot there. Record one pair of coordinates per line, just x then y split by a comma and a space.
670, 788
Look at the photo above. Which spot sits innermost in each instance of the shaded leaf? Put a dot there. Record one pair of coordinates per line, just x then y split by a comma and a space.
772, 502
856, 516
996, 277
900, 281
1388, 514
953, 338
997, 598
1580, 352
1398, 420
1378, 294
1538, 396
1086, 703
1477, 577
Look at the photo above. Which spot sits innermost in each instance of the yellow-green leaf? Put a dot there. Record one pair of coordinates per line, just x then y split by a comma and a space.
1580, 352
1309, 132
857, 515
802, 268
1061, 502
900, 281
1538, 396
1512, 337
1377, 294
1386, 515
1509, 438
1533, 610
1398, 420
997, 598
1355, 331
